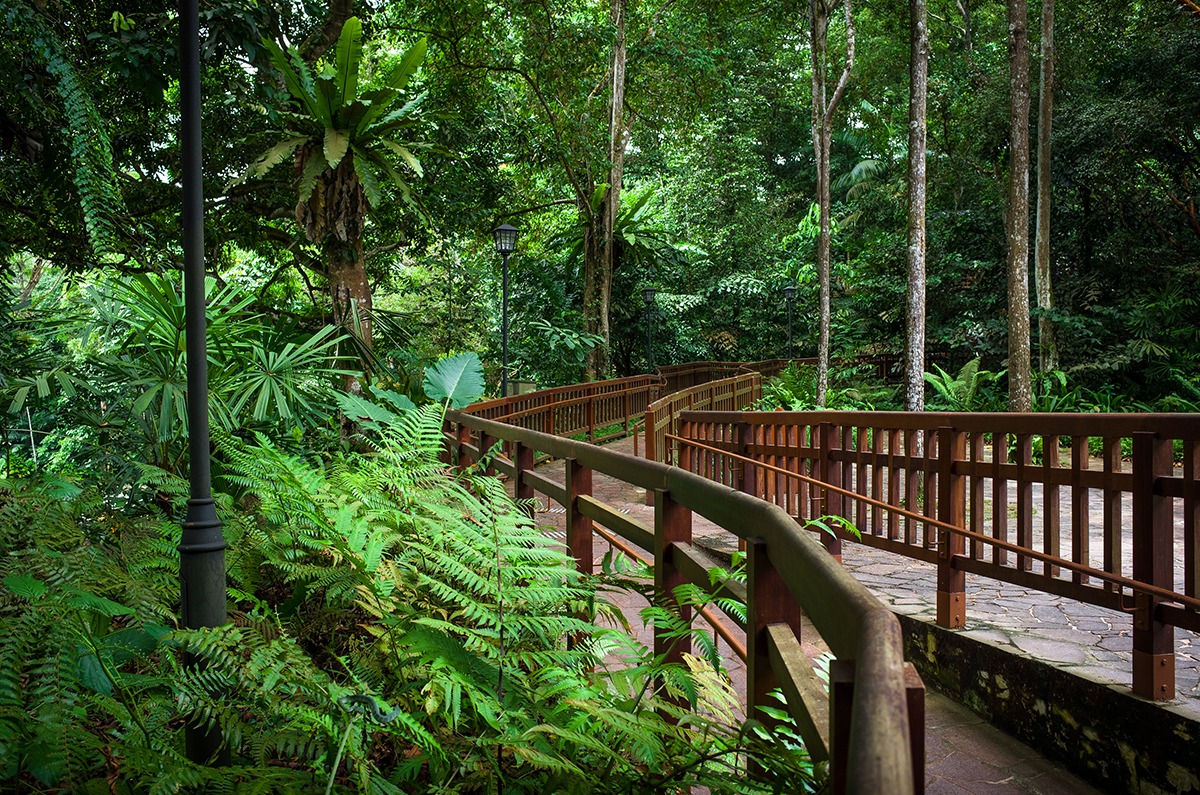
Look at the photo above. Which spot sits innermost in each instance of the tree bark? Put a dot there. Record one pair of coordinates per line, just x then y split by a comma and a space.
914, 360
1047, 341
603, 249
1020, 394
822, 133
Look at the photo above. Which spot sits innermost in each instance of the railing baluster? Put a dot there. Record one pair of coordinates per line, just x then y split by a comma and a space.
1153, 554
1080, 514
1050, 502
978, 495
951, 583
861, 476
831, 473
877, 437
1112, 508
929, 480
1024, 499
999, 496
893, 495
912, 484
1191, 518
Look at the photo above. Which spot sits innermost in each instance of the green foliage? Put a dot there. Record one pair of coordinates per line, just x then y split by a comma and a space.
965, 391
262, 374
795, 389
456, 381
77, 117
338, 122
395, 628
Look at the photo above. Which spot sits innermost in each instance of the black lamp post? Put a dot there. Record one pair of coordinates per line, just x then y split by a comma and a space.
789, 293
202, 544
648, 299
506, 243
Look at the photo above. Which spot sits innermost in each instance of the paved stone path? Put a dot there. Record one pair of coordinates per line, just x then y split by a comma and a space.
964, 754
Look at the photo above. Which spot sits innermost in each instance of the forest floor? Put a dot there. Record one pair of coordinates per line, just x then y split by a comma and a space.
963, 752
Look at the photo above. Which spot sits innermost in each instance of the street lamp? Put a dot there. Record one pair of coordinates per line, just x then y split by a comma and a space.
506, 243
648, 299
201, 544
789, 293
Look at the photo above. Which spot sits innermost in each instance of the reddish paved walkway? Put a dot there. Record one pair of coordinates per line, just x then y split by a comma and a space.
964, 754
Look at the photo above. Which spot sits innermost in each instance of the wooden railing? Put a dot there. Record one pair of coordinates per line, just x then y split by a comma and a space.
726, 394
576, 409
1100, 514
871, 723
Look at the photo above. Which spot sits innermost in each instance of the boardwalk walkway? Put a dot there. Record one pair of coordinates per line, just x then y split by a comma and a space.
964, 754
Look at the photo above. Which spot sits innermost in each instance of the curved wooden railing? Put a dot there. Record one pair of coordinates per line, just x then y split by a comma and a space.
871, 724
726, 394
1120, 530
579, 409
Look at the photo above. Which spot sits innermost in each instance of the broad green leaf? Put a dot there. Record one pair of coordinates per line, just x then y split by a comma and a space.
336, 143
455, 379
406, 156
25, 585
313, 167
364, 411
291, 78
273, 156
348, 59
408, 65
369, 181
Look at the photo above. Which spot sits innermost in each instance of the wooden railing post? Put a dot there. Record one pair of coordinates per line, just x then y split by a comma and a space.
1153, 555
841, 705
672, 524
486, 443
462, 436
523, 459
831, 474
590, 414
768, 602
951, 501
579, 527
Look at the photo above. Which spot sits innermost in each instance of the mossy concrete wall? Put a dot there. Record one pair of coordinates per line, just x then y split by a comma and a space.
1100, 732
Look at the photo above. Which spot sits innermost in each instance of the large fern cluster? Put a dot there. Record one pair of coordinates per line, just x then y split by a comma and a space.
396, 627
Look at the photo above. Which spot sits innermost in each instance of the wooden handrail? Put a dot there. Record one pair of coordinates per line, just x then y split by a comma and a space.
854, 624
1099, 574
934, 471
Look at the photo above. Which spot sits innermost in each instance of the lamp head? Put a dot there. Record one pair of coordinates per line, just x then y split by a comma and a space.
506, 238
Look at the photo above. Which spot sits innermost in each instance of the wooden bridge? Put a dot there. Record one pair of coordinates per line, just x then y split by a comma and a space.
936, 487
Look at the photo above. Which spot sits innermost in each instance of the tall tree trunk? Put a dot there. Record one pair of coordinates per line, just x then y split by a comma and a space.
598, 278
1047, 341
914, 360
1020, 393
822, 133
351, 294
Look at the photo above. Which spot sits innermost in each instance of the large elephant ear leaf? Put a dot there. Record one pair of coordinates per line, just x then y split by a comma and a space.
457, 379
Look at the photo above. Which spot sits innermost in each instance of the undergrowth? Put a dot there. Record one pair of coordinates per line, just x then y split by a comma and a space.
396, 627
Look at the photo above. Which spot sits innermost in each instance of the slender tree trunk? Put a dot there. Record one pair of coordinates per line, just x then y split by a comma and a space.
351, 294
822, 133
593, 266
1020, 394
1047, 341
599, 296
914, 360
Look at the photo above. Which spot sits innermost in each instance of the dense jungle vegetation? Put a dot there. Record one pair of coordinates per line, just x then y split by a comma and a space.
398, 627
